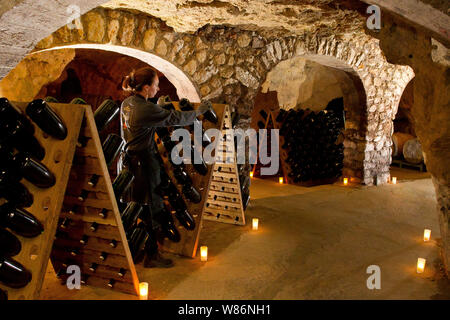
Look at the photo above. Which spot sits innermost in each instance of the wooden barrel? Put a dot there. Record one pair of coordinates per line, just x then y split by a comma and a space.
412, 151
398, 141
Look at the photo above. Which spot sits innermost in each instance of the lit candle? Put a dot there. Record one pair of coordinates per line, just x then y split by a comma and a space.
143, 291
426, 235
251, 174
345, 181
421, 265
280, 180
394, 180
255, 223
204, 253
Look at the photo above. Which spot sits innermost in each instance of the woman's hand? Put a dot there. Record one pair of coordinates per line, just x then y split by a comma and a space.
163, 100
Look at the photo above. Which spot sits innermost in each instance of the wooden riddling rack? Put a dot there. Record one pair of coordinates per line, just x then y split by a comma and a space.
270, 123
188, 244
225, 197
47, 204
78, 219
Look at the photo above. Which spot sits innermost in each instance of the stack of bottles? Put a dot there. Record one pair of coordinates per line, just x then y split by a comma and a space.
311, 144
20, 158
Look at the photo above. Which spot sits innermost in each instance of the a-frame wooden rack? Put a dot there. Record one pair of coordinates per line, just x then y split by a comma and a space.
225, 196
271, 123
67, 220
206, 185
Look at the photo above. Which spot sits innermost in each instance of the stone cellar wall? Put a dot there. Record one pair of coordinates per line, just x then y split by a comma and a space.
229, 65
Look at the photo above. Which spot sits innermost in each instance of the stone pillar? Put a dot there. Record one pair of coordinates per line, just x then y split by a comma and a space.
403, 44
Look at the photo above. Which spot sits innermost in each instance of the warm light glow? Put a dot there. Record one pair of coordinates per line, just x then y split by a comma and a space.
426, 235
204, 253
143, 290
421, 265
281, 180
394, 180
345, 181
251, 174
255, 223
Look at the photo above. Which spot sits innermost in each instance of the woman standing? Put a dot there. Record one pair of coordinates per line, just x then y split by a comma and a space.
139, 119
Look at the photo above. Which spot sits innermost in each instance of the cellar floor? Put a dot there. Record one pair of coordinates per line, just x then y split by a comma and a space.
313, 243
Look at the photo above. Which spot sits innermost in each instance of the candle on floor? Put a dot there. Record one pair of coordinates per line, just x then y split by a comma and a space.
426, 235
345, 181
204, 253
143, 291
394, 180
255, 223
280, 180
421, 265
251, 174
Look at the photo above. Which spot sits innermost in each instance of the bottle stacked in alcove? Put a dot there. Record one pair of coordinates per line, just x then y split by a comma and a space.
310, 140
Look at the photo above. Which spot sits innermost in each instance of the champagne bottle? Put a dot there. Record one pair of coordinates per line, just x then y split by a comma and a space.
10, 245
245, 199
8, 113
93, 180
244, 181
121, 272
51, 99
34, 171
111, 283
191, 193
168, 226
16, 134
122, 182
200, 167
47, 119
13, 274
84, 240
93, 267
83, 195
113, 243
20, 221
181, 175
65, 223
103, 213
105, 113
130, 216
137, 241
76, 101
94, 226
111, 148
103, 256
185, 219
211, 116
15, 192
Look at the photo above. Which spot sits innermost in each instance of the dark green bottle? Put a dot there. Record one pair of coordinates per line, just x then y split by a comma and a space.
10, 245
130, 216
47, 119
122, 182
111, 147
34, 171
105, 113
20, 221
13, 274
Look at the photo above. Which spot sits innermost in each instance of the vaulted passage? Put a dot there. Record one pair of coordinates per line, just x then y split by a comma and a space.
362, 148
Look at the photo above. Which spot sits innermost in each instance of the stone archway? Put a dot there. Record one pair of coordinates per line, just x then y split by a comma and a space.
369, 131
185, 88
